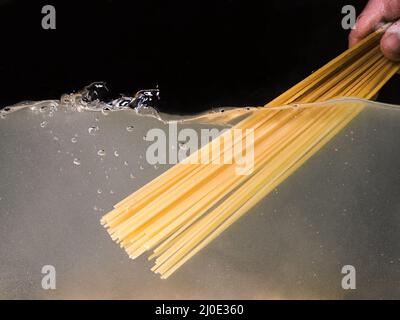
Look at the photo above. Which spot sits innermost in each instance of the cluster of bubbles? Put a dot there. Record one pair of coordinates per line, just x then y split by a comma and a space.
94, 97
97, 96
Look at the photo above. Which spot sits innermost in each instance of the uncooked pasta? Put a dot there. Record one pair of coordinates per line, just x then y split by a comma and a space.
181, 211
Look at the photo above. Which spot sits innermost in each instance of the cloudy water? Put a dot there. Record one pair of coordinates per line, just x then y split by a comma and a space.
65, 163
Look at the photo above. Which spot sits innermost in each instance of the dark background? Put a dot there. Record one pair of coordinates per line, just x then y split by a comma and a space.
201, 54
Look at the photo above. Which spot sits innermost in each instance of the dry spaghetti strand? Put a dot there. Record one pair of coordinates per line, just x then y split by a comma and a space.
181, 211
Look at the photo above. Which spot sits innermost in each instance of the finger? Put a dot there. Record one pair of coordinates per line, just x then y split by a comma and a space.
374, 15
369, 18
390, 43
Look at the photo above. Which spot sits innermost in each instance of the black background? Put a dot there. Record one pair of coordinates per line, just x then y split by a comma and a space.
201, 54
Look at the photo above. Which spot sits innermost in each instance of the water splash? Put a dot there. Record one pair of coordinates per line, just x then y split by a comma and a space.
97, 97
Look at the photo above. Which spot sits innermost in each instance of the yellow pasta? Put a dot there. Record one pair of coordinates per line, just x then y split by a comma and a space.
181, 211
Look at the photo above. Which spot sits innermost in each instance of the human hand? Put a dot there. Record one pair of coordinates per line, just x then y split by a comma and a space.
374, 15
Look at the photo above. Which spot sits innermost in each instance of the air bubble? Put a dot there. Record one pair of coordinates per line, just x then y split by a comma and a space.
77, 162
116, 153
74, 140
96, 91
101, 152
183, 146
145, 99
93, 130
43, 124
99, 191
130, 128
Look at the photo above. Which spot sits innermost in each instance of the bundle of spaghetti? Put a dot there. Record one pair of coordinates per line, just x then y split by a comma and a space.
181, 211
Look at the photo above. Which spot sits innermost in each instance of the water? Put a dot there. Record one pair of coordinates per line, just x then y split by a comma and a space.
341, 208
